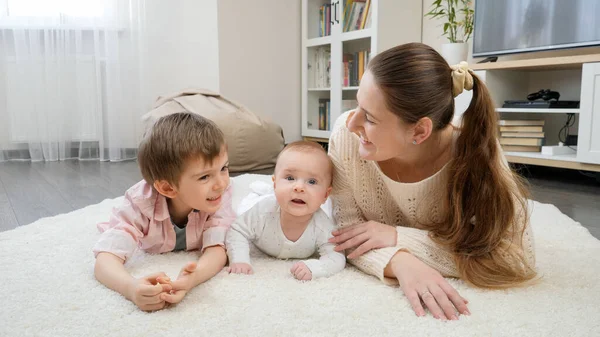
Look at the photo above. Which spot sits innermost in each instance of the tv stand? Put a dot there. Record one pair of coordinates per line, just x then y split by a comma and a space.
489, 59
577, 77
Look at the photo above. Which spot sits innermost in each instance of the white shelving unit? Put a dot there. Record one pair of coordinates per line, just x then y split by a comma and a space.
575, 77
393, 22
539, 111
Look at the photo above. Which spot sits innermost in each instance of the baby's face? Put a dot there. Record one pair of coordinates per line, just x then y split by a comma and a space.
302, 181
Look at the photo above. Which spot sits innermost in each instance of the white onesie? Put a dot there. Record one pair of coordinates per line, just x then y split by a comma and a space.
261, 226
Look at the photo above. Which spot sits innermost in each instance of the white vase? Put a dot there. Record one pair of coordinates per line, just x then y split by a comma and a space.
455, 52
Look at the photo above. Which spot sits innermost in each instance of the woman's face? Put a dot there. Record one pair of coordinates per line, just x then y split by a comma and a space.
382, 134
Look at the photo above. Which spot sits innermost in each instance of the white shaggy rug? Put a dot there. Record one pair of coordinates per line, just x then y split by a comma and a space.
48, 289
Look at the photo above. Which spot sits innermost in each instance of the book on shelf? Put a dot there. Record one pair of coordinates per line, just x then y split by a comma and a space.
355, 65
521, 148
356, 15
522, 134
521, 141
520, 122
324, 114
321, 67
521, 129
325, 20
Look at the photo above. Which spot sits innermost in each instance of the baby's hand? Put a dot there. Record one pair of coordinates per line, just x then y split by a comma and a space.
301, 271
240, 268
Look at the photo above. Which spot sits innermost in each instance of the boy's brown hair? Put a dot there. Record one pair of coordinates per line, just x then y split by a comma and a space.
308, 146
172, 141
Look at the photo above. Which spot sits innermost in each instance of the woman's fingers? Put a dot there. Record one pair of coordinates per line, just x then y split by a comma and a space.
355, 241
442, 300
459, 302
431, 303
344, 234
415, 302
365, 247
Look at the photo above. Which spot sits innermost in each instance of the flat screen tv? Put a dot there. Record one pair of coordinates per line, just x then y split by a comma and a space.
517, 26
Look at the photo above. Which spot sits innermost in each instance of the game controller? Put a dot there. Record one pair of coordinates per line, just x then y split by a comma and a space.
545, 94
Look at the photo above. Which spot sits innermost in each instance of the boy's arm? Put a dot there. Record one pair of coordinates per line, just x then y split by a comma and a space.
143, 292
209, 264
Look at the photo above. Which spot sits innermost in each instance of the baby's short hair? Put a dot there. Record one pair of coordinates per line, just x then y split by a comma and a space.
307, 146
172, 141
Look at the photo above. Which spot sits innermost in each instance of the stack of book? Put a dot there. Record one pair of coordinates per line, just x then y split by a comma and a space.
324, 114
356, 15
355, 65
325, 20
321, 67
521, 135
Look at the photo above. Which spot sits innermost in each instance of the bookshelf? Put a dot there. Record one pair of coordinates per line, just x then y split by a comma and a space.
384, 24
575, 77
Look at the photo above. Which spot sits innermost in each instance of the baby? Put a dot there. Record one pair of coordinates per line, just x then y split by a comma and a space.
183, 203
291, 223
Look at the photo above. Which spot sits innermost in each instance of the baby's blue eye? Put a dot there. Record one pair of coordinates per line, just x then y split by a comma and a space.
289, 178
312, 181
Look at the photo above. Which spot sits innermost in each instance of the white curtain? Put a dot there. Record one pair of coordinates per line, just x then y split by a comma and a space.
70, 79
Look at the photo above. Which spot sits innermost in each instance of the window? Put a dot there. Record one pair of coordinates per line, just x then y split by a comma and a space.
56, 13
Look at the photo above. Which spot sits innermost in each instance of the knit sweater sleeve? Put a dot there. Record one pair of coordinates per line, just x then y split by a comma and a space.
346, 211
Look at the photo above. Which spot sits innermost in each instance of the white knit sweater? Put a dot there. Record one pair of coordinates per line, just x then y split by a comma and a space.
362, 192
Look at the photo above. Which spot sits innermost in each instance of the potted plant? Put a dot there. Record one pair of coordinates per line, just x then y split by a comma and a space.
458, 27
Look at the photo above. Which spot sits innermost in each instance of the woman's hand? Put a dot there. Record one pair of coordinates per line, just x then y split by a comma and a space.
366, 236
423, 283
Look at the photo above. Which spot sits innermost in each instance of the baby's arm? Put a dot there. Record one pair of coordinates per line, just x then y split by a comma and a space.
237, 241
330, 261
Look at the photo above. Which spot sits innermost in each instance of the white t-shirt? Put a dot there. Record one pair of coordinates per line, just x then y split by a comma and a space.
261, 226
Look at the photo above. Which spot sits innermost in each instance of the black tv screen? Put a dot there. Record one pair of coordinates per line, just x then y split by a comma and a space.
516, 26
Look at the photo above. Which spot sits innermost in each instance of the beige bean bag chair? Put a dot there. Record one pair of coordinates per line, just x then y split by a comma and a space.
253, 142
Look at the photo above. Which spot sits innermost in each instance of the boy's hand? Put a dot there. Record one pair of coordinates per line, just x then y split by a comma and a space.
301, 271
240, 268
146, 292
182, 285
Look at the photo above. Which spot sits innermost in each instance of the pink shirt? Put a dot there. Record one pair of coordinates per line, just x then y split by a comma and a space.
143, 221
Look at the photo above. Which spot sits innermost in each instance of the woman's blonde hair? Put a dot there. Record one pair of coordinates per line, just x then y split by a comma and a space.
486, 201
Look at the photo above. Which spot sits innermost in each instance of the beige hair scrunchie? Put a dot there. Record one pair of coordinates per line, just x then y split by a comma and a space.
461, 78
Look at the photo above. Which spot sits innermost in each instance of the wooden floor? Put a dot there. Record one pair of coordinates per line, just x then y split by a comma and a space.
29, 191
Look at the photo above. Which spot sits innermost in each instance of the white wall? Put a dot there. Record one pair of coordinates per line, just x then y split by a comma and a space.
260, 55
182, 49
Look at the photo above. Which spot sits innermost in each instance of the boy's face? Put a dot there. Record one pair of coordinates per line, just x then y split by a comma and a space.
201, 185
302, 181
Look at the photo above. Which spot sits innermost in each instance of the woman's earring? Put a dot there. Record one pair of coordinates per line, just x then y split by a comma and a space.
415, 142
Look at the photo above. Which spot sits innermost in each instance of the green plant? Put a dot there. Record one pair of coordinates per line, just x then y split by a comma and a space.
459, 18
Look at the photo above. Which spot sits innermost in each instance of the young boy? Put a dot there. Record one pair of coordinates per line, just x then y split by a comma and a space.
183, 203
290, 223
